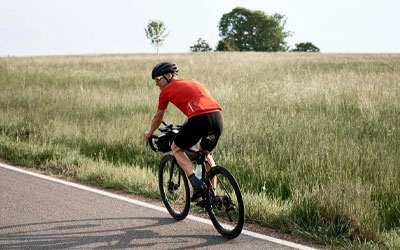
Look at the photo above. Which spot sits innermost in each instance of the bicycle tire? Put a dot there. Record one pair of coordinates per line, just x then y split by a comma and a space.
176, 197
232, 230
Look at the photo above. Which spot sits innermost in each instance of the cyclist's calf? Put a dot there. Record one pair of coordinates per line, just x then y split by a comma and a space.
182, 159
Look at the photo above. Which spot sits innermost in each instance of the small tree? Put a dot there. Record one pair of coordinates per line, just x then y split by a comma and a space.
156, 31
305, 47
224, 46
200, 46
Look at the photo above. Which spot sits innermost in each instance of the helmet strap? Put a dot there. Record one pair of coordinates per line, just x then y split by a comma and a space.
167, 79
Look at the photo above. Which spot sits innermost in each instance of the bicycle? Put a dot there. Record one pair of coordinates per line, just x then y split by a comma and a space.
223, 203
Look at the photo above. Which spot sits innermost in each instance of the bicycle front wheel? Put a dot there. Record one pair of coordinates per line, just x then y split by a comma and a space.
226, 210
174, 188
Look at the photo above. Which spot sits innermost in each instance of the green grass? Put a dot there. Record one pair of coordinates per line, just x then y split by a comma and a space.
313, 139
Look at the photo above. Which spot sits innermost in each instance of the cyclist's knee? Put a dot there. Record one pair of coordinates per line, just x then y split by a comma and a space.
206, 152
175, 149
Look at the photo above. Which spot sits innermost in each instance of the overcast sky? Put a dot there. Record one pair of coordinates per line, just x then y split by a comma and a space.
54, 27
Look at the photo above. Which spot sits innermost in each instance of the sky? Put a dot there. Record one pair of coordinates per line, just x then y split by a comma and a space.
59, 27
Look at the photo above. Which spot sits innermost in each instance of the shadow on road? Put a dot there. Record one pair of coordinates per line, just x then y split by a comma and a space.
104, 233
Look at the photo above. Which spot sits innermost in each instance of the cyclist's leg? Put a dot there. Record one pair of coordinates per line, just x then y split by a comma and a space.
182, 159
210, 160
187, 137
209, 141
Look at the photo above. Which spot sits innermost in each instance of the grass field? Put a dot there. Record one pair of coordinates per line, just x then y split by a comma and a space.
313, 139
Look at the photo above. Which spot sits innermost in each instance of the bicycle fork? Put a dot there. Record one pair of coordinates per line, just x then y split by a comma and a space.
171, 185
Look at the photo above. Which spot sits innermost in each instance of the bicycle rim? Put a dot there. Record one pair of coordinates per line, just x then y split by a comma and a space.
227, 210
174, 188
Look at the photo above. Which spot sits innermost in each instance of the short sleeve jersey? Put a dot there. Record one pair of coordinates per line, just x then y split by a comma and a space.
189, 96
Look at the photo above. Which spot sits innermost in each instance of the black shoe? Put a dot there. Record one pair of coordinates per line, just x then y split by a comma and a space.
197, 193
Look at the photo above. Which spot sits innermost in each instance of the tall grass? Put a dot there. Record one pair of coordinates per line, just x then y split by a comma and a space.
313, 139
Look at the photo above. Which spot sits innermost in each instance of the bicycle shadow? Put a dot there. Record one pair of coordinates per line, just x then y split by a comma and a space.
99, 234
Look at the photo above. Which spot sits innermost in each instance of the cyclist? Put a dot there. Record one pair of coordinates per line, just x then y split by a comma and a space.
204, 118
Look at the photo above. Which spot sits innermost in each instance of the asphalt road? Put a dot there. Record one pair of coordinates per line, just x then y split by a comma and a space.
36, 213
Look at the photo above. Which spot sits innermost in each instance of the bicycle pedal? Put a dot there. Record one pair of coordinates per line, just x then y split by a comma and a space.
230, 208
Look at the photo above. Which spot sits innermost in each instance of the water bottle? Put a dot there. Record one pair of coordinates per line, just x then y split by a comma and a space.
198, 171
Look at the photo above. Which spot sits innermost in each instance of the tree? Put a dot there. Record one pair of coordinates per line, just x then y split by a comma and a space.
246, 30
156, 31
306, 47
201, 45
224, 46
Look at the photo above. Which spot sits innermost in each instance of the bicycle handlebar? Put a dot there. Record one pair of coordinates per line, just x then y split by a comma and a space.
167, 129
150, 141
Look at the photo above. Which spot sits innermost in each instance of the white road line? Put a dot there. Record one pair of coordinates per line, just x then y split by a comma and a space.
147, 205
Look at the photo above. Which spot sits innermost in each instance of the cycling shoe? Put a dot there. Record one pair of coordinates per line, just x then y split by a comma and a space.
198, 193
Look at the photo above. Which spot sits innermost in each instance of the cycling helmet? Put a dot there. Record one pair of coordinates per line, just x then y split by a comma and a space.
164, 68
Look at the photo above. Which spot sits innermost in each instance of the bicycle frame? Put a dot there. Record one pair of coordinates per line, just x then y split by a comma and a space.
215, 199
199, 157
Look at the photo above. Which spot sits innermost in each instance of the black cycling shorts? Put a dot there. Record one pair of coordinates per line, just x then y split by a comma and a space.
207, 127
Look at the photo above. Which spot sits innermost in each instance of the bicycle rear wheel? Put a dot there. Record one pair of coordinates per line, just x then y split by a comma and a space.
174, 187
226, 210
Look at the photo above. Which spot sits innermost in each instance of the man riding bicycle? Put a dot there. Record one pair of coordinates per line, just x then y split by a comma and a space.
204, 118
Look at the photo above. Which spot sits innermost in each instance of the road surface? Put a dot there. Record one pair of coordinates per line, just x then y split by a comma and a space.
37, 212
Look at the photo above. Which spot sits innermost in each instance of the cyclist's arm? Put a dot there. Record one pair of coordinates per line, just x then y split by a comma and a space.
155, 123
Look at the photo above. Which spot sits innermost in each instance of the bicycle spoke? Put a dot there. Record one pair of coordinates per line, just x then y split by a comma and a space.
223, 186
174, 188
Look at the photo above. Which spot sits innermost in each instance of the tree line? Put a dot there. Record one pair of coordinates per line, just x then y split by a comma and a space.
240, 30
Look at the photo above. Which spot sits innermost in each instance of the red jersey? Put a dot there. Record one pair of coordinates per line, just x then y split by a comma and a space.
188, 95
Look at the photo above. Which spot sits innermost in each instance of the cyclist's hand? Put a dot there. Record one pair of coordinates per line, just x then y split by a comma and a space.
147, 135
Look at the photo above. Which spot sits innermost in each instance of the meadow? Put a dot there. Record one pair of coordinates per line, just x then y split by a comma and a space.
313, 139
